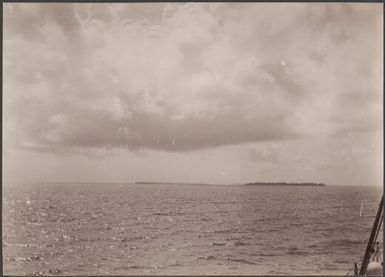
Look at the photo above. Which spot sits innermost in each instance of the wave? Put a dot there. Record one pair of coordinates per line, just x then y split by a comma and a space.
296, 251
344, 242
31, 258
127, 267
227, 231
276, 272
240, 243
160, 214
218, 243
266, 254
241, 261
209, 257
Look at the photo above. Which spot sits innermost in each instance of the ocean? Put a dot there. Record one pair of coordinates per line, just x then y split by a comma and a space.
132, 229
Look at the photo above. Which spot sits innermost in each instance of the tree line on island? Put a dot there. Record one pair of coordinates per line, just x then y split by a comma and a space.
285, 184
247, 184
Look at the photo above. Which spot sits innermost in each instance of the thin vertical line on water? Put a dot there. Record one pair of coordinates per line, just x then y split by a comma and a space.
362, 204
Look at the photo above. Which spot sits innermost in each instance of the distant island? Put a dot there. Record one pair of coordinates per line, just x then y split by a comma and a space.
247, 184
286, 184
174, 183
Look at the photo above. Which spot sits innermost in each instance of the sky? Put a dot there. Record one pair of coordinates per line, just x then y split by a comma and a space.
199, 92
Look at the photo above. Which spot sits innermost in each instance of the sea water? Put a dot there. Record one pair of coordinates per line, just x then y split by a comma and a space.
132, 229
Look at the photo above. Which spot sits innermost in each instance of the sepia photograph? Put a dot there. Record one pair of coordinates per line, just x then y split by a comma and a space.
194, 138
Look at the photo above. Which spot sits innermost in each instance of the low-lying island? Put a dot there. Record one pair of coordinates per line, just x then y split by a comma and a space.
285, 184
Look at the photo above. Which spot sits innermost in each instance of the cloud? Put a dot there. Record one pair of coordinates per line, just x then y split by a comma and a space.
353, 158
181, 77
